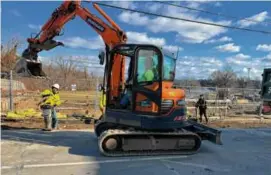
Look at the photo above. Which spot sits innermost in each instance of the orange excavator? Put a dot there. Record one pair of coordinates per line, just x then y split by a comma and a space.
144, 114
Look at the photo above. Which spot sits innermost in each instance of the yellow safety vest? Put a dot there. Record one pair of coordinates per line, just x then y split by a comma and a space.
56, 99
102, 101
47, 98
51, 98
147, 76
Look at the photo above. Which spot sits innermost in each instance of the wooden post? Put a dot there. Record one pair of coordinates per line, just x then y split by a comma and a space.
10, 92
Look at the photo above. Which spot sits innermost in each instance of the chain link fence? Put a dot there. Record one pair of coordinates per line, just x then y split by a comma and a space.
81, 96
225, 101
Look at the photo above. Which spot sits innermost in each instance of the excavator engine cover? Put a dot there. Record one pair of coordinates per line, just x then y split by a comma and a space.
29, 68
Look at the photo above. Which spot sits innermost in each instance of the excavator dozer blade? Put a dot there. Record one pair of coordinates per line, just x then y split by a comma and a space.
205, 132
29, 68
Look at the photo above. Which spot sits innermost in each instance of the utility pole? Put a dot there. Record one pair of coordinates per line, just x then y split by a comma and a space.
248, 76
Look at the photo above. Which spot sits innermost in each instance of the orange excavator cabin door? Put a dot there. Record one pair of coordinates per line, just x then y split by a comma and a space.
147, 80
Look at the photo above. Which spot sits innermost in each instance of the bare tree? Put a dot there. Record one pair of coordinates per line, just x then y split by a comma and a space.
9, 54
223, 79
241, 82
66, 67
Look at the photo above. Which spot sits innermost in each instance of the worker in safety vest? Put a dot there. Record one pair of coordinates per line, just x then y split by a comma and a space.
149, 71
46, 105
56, 102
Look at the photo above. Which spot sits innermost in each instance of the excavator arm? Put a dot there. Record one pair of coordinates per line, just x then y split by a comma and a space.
111, 34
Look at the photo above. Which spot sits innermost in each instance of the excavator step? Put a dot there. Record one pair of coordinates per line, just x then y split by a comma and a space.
116, 142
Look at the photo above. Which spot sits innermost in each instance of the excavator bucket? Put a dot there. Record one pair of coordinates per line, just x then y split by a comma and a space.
29, 65
29, 68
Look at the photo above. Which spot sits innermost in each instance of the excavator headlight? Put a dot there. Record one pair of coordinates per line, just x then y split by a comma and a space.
181, 103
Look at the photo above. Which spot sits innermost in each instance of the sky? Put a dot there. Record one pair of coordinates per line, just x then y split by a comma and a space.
202, 48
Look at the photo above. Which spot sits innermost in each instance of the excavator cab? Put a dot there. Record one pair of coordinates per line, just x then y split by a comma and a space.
143, 82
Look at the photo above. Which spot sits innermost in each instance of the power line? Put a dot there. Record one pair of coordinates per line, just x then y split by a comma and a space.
183, 19
213, 13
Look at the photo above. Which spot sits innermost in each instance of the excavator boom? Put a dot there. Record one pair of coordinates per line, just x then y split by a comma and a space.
30, 66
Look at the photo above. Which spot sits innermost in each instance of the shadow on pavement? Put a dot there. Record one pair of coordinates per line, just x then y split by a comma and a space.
83, 143
82, 146
6, 127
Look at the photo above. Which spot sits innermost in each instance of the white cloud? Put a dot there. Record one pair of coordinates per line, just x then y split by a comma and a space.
210, 61
240, 63
135, 37
241, 56
172, 48
255, 19
264, 47
228, 48
35, 27
267, 58
124, 4
193, 4
15, 12
78, 42
186, 31
143, 38
239, 59
197, 67
133, 18
222, 39
153, 7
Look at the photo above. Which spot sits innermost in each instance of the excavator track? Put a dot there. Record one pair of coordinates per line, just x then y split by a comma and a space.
116, 142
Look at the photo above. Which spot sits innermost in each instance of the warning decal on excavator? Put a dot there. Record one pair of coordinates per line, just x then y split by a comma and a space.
179, 118
95, 24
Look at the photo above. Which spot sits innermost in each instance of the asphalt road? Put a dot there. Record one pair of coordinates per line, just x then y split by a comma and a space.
31, 152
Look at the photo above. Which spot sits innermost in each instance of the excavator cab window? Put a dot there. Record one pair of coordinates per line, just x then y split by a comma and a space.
143, 76
147, 64
169, 65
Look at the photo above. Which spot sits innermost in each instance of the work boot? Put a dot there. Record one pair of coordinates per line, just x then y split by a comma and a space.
46, 129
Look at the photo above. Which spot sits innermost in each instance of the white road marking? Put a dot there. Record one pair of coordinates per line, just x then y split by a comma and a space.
93, 162
21, 138
198, 165
170, 168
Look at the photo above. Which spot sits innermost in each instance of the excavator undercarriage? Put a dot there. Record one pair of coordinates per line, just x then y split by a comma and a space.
120, 140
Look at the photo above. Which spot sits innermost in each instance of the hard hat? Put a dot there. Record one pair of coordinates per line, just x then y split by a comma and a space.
56, 86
